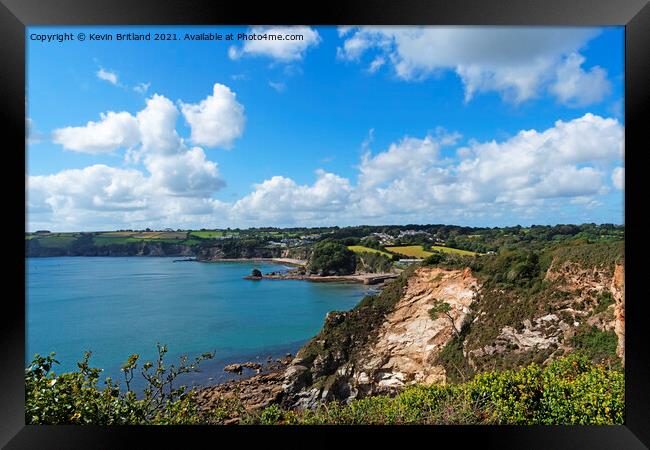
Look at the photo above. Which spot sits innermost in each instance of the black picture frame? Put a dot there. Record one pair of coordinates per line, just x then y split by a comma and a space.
15, 15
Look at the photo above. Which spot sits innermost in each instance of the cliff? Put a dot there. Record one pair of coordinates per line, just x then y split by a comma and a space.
570, 299
204, 251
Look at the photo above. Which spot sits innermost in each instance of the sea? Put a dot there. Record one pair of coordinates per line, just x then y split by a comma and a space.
119, 306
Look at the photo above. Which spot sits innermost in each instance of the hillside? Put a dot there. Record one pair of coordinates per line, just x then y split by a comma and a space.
507, 311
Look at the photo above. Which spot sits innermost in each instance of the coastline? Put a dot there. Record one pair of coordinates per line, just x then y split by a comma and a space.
363, 278
288, 261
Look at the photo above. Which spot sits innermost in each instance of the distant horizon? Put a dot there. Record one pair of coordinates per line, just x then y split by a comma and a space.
482, 126
328, 226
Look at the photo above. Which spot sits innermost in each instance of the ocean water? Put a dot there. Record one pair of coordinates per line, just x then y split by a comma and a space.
117, 306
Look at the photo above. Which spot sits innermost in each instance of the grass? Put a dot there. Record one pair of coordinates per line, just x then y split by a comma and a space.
416, 251
132, 236
453, 250
413, 251
55, 240
208, 234
362, 249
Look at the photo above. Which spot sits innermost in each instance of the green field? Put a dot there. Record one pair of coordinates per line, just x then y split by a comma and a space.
416, 251
144, 235
413, 251
208, 234
453, 250
55, 240
362, 249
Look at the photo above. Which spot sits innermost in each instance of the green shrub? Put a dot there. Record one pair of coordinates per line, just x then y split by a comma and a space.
75, 398
598, 345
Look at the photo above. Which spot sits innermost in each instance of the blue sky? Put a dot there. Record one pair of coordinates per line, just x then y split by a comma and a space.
472, 126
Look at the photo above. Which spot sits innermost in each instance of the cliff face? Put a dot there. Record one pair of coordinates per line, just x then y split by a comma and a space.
400, 348
204, 252
391, 341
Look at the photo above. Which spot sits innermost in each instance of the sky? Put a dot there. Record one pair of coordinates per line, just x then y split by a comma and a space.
477, 126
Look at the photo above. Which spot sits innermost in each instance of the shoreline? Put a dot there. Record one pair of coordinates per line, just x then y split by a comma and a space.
367, 279
288, 261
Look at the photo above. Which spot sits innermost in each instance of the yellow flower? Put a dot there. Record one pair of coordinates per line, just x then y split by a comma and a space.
76, 416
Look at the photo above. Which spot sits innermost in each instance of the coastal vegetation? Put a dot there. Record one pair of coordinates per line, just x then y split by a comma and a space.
332, 258
569, 391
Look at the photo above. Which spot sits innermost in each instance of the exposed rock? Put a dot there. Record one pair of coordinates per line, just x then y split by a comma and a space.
401, 353
256, 392
617, 289
234, 368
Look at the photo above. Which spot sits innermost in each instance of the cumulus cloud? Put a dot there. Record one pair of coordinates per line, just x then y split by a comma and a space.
518, 63
281, 198
576, 87
284, 49
114, 130
175, 186
107, 75
157, 122
217, 120
185, 173
527, 174
618, 178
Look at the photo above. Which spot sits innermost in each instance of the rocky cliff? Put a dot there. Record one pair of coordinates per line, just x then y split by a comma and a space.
391, 340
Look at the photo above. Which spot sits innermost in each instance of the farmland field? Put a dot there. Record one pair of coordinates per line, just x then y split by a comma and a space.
55, 240
416, 251
209, 234
362, 249
454, 250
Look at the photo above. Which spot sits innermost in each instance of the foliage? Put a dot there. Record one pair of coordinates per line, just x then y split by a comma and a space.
603, 300
568, 391
256, 273
332, 258
598, 345
375, 262
75, 398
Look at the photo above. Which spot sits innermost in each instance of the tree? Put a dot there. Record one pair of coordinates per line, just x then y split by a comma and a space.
443, 308
256, 273
332, 258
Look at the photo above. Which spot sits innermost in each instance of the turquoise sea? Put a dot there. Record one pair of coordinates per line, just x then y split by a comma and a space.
117, 306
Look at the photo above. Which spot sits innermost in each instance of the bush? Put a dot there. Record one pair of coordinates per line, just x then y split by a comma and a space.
598, 345
75, 398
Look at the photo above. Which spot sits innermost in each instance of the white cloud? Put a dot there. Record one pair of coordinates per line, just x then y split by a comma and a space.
107, 75
113, 131
283, 50
142, 88
526, 175
376, 64
618, 178
185, 173
409, 181
576, 87
518, 63
282, 199
175, 187
278, 86
157, 122
217, 120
